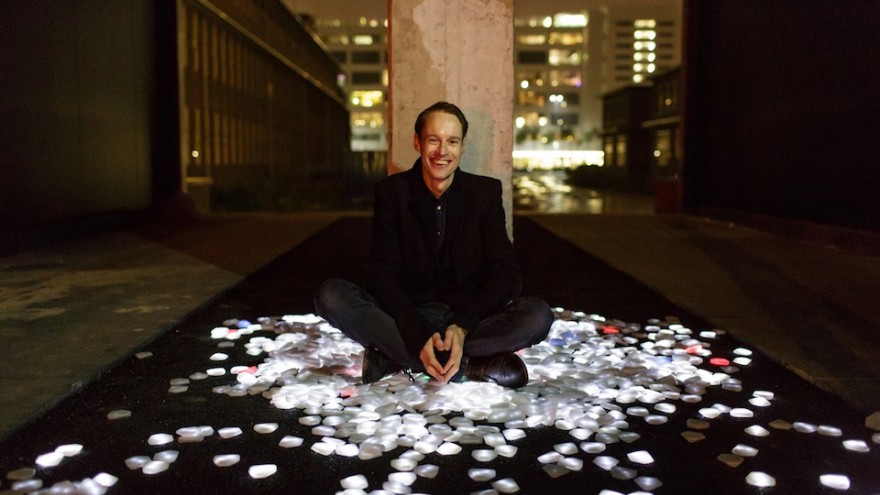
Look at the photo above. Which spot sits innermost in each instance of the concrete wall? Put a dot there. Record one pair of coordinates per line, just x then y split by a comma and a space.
75, 102
783, 110
460, 51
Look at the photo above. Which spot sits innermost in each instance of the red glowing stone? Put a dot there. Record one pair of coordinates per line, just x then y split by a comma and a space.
609, 329
719, 361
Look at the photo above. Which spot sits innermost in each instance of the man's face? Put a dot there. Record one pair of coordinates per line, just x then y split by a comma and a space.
440, 146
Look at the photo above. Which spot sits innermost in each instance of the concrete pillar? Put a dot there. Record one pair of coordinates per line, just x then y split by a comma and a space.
460, 51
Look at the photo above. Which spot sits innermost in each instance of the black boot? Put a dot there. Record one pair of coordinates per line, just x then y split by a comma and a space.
376, 366
505, 369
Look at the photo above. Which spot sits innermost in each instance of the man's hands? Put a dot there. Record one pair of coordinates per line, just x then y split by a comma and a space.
452, 342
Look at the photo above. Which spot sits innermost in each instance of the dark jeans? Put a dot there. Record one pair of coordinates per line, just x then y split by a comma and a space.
522, 323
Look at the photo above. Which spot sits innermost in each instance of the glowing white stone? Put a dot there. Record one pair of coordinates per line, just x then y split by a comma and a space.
27, 486
478, 474
623, 473
740, 412
226, 460
50, 459
404, 464
506, 485
757, 431
229, 432
550, 458
760, 479
429, 471
309, 420
323, 448
648, 483
640, 457
512, 434
106, 480
835, 481
168, 456
555, 470
160, 439
216, 372
69, 450
484, 455
593, 447
290, 441
155, 467
572, 463
856, 445
506, 450
743, 450
136, 462
260, 471
803, 427
265, 428
567, 448
830, 431
356, 482
402, 478
710, 412
219, 356
605, 462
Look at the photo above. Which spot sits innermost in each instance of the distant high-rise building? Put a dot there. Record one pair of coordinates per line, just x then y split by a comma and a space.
567, 54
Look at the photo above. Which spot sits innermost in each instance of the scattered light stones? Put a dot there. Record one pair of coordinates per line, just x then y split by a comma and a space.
591, 379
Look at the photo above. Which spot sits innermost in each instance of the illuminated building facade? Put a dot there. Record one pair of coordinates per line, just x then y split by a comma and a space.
567, 54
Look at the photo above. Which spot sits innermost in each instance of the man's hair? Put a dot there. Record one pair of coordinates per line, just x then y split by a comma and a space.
445, 107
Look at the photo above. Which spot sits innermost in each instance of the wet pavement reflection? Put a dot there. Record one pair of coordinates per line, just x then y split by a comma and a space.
547, 191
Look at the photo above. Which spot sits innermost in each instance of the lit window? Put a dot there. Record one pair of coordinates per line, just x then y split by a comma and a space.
569, 20
645, 23
372, 120
520, 122
563, 57
363, 39
531, 39
367, 98
548, 22
566, 39
645, 35
637, 78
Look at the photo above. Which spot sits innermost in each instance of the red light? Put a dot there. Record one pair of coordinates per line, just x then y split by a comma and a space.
609, 330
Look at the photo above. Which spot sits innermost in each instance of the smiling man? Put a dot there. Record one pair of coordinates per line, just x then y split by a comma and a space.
442, 293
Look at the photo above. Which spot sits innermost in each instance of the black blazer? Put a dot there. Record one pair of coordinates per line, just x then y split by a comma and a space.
402, 259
